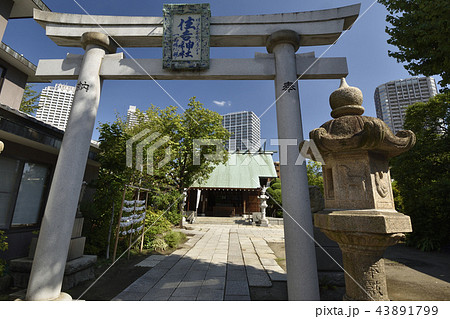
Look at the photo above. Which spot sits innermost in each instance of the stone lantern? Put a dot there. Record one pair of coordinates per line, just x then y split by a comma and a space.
359, 209
263, 197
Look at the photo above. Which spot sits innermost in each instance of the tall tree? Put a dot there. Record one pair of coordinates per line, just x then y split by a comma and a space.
423, 173
30, 100
314, 172
420, 30
181, 130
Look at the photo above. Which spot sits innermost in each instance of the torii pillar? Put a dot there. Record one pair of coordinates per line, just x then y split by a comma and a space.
300, 252
52, 248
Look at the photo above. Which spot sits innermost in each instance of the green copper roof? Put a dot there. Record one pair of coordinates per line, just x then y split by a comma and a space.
241, 171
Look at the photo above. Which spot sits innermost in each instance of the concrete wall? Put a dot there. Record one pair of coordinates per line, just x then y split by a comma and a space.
11, 91
5, 10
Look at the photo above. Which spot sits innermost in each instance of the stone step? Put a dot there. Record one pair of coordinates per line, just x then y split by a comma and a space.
219, 220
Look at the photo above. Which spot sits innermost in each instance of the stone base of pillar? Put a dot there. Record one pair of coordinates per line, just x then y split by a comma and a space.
363, 236
76, 271
264, 222
62, 297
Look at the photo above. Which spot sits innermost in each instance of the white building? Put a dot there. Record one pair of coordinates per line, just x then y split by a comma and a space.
131, 116
245, 131
55, 104
392, 99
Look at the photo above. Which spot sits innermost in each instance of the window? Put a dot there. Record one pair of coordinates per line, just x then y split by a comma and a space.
22, 191
29, 198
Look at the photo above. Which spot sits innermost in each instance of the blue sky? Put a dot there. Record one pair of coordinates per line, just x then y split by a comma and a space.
364, 46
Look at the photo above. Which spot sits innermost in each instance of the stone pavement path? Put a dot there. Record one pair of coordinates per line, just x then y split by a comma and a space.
220, 262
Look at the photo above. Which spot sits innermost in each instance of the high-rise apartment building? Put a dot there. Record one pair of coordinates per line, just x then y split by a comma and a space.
131, 116
392, 98
245, 131
55, 104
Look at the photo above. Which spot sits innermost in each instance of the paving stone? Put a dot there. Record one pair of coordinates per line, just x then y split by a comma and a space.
205, 260
216, 273
267, 262
252, 258
181, 267
192, 254
167, 284
153, 275
210, 294
276, 268
158, 295
129, 296
175, 273
219, 260
237, 288
233, 267
148, 263
141, 285
276, 276
220, 250
258, 278
250, 254
240, 275
200, 267
151, 261
187, 291
235, 260
268, 256
234, 254
190, 283
168, 263
194, 275
276, 273
180, 252
214, 283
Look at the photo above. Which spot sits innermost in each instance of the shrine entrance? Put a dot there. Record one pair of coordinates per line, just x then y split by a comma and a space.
186, 32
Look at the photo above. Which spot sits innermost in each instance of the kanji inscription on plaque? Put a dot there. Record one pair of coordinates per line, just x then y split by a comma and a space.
186, 36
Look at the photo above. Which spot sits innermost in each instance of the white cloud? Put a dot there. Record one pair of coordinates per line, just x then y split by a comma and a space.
222, 103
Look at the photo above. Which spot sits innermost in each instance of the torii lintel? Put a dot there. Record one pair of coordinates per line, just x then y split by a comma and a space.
319, 27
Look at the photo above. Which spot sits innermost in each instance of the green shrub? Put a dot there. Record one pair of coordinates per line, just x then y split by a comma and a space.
170, 199
155, 224
274, 201
173, 239
3, 243
158, 244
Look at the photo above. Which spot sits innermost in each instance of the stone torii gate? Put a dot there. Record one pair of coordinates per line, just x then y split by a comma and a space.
281, 34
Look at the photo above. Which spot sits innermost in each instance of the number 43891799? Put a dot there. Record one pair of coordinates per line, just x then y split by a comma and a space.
407, 310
